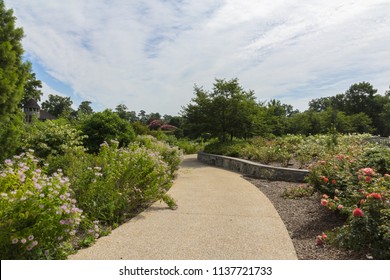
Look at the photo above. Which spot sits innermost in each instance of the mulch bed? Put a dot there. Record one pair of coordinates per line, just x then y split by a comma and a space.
305, 218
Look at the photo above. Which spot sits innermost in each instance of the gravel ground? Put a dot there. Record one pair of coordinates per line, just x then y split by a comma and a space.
304, 218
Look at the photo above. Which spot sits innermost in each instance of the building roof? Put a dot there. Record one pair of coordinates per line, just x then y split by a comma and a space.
46, 115
32, 104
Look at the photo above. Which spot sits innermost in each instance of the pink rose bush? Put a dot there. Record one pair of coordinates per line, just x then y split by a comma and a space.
360, 193
320, 239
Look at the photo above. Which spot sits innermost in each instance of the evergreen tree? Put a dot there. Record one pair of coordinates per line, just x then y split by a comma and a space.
13, 76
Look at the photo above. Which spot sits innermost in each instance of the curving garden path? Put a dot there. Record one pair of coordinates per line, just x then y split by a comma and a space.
220, 216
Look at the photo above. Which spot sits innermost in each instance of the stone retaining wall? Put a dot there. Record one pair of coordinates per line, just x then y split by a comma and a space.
253, 169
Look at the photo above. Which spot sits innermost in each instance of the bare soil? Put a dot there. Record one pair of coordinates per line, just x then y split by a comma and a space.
305, 218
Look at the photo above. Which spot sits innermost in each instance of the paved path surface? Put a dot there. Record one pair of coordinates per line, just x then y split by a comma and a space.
220, 216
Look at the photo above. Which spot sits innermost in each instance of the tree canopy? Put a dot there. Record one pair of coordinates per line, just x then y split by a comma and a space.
58, 106
106, 126
13, 75
225, 111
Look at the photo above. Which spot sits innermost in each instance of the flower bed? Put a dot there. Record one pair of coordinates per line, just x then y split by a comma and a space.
40, 216
361, 194
351, 174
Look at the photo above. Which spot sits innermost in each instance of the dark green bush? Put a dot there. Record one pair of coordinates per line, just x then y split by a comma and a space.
106, 126
378, 158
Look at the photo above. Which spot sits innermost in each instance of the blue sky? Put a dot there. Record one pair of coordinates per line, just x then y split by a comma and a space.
149, 54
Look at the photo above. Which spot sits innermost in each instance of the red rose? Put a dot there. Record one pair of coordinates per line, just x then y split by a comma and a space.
357, 212
374, 195
340, 157
325, 179
333, 182
319, 240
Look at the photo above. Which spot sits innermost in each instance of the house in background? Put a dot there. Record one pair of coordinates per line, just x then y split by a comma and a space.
31, 108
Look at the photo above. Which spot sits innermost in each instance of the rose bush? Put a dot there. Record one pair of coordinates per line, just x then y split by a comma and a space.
359, 193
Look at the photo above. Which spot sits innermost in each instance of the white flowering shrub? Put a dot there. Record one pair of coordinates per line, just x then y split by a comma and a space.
171, 155
114, 184
38, 213
51, 138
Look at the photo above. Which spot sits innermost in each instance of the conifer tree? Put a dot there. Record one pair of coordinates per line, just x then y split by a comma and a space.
13, 75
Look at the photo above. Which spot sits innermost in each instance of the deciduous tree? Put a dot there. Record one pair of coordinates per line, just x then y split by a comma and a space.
58, 106
225, 111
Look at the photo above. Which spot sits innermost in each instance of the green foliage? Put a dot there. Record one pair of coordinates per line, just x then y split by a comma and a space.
106, 126
32, 86
304, 150
85, 108
13, 76
171, 155
124, 114
38, 213
377, 157
140, 128
10, 133
298, 192
51, 137
58, 106
226, 111
368, 227
360, 109
114, 184
189, 146
358, 192
229, 148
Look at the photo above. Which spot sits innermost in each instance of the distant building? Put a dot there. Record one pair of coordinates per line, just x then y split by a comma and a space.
31, 108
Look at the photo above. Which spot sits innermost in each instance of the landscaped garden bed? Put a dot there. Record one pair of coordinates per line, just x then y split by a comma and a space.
51, 207
348, 180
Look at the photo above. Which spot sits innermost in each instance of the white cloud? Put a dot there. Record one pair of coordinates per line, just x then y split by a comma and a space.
47, 90
148, 54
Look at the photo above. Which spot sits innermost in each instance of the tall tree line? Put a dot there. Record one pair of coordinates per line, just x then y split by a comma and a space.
229, 111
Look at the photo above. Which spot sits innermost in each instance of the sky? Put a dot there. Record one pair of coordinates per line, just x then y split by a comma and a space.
149, 55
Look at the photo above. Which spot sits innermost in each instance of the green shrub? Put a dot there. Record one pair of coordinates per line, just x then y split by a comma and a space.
38, 213
298, 192
171, 155
368, 226
378, 158
360, 193
115, 183
231, 148
51, 137
188, 146
106, 126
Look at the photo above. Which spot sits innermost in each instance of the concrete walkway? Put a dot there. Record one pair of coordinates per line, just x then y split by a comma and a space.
220, 216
